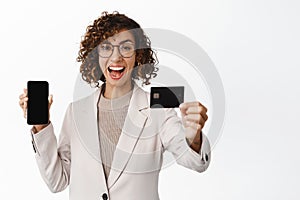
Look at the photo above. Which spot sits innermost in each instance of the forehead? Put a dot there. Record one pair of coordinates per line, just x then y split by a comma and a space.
121, 36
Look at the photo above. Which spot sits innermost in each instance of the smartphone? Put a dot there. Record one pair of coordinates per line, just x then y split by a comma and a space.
166, 97
37, 106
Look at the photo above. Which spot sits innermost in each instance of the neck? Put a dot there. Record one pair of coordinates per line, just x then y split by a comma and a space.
113, 91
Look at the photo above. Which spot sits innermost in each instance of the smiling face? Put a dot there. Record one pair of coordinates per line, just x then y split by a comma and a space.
117, 59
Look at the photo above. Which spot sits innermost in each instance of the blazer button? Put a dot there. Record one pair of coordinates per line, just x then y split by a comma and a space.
104, 196
206, 157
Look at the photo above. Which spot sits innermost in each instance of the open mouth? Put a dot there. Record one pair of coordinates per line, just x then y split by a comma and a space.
116, 72
116, 69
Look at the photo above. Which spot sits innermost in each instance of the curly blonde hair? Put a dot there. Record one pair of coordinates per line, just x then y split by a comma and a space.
104, 27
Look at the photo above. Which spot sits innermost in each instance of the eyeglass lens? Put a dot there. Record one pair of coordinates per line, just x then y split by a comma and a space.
106, 49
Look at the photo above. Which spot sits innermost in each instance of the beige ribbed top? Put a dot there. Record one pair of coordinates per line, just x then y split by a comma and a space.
112, 113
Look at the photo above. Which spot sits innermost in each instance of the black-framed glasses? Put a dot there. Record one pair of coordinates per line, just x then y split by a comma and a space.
126, 49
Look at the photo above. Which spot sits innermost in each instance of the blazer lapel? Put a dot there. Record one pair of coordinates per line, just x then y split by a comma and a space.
85, 119
132, 129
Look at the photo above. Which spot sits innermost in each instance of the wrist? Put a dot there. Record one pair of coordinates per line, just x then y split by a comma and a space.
38, 128
196, 142
197, 139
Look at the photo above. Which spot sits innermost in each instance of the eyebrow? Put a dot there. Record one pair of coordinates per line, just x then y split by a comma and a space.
122, 42
128, 40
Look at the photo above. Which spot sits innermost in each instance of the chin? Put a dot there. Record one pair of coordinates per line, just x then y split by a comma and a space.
118, 83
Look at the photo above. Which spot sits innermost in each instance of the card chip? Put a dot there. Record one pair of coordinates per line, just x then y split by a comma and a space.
156, 95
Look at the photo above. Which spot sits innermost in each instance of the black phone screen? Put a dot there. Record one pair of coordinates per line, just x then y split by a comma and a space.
37, 107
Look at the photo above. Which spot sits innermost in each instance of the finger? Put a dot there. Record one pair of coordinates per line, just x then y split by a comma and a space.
25, 109
22, 95
194, 126
195, 118
196, 110
185, 106
189, 104
25, 100
183, 109
204, 116
50, 99
21, 102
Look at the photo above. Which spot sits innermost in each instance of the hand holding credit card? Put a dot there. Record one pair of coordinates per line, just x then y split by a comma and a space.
166, 97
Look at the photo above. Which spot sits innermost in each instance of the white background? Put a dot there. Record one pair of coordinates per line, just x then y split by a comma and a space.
254, 45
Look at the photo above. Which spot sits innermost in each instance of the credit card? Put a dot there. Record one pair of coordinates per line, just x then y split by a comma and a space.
166, 97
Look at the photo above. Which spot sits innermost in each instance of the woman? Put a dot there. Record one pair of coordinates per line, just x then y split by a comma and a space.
111, 143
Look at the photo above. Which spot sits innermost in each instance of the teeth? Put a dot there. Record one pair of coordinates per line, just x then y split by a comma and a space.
116, 68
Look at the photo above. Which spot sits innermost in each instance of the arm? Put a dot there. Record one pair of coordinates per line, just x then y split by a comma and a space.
173, 138
54, 159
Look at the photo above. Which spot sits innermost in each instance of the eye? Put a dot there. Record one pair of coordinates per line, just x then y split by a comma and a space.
127, 47
105, 47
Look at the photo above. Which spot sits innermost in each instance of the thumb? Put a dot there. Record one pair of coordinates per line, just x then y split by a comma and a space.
183, 107
50, 99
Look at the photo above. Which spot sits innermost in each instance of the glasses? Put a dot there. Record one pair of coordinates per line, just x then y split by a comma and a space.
126, 50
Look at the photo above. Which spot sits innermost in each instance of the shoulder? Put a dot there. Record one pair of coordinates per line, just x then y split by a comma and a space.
91, 97
141, 91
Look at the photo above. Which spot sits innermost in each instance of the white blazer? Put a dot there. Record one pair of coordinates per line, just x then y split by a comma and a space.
146, 135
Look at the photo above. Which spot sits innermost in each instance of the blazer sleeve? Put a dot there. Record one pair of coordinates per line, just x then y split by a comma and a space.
172, 134
54, 159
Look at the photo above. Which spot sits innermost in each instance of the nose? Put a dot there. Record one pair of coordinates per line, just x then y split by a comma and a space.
116, 56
